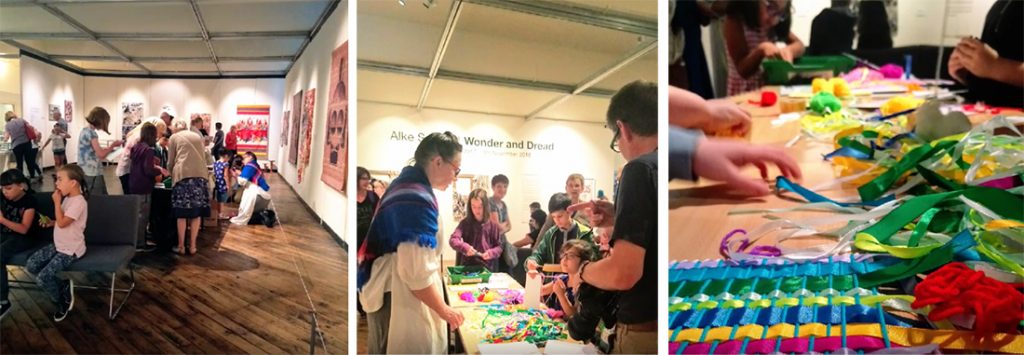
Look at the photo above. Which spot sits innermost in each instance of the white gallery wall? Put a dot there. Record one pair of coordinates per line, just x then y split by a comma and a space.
384, 132
10, 83
44, 84
312, 70
218, 97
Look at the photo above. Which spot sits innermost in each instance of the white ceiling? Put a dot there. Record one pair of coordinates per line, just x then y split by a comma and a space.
164, 37
521, 58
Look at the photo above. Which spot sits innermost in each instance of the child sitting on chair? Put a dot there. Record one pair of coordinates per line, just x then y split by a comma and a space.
70, 214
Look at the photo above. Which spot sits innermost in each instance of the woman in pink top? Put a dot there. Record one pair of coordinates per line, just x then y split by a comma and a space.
70, 214
751, 30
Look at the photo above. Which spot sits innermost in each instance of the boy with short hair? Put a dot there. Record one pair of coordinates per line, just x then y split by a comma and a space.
564, 229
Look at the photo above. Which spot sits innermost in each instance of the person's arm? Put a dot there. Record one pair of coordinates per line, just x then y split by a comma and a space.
48, 140
459, 245
984, 62
794, 48
26, 222
62, 220
172, 151
416, 271
563, 299
682, 146
747, 60
151, 170
619, 271
536, 259
101, 153
495, 240
523, 242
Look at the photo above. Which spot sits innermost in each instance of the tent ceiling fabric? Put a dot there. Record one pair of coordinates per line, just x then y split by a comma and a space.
525, 58
165, 37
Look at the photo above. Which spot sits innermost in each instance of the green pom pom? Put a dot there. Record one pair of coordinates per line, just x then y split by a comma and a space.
824, 103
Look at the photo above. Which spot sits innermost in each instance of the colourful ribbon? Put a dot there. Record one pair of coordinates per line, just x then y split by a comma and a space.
782, 183
947, 339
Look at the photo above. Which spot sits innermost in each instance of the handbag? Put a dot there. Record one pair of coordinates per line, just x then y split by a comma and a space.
30, 132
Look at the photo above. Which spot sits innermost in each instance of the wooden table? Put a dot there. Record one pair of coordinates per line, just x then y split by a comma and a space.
698, 212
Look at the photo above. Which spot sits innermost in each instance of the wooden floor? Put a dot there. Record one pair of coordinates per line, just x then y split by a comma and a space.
250, 289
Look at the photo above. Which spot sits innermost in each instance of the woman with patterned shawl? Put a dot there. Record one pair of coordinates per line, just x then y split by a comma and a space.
399, 261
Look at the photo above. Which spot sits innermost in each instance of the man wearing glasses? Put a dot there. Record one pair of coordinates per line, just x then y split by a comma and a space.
632, 266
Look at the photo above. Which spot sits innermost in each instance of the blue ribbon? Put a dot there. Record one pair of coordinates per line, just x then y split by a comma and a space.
847, 152
778, 271
784, 184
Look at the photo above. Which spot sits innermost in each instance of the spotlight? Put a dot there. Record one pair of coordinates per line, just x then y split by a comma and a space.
401, 2
429, 3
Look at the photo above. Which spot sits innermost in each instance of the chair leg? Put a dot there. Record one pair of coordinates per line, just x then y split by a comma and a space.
113, 282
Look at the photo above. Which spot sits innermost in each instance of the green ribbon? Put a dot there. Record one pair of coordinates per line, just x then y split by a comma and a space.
911, 267
878, 186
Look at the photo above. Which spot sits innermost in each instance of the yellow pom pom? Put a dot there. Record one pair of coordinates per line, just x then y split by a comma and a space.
900, 103
840, 87
821, 84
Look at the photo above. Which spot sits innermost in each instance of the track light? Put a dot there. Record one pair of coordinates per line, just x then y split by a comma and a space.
429, 3
401, 2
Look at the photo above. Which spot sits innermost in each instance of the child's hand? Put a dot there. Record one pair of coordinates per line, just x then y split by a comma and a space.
769, 49
721, 160
45, 222
559, 286
56, 196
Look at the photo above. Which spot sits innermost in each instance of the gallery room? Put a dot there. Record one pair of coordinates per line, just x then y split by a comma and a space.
174, 176
527, 109
846, 177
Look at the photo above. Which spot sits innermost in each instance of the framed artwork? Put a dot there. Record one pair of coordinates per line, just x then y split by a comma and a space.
68, 110
335, 159
306, 131
131, 116
293, 150
284, 127
251, 125
55, 111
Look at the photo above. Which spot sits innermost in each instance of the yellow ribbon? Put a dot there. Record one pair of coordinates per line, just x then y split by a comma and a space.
820, 301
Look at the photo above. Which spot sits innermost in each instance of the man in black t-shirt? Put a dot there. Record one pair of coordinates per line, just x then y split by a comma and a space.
632, 267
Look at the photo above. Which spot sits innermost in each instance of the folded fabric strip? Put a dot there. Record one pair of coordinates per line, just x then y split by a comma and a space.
719, 263
785, 346
947, 339
775, 271
763, 286
719, 317
955, 289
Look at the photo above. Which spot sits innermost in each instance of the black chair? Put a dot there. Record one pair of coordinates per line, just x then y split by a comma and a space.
111, 233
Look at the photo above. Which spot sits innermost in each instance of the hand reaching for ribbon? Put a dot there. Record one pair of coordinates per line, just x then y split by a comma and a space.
721, 160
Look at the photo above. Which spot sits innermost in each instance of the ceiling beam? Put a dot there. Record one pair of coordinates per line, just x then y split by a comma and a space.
205, 33
100, 58
633, 55
81, 28
481, 79
442, 46
584, 15
214, 36
25, 48
312, 33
